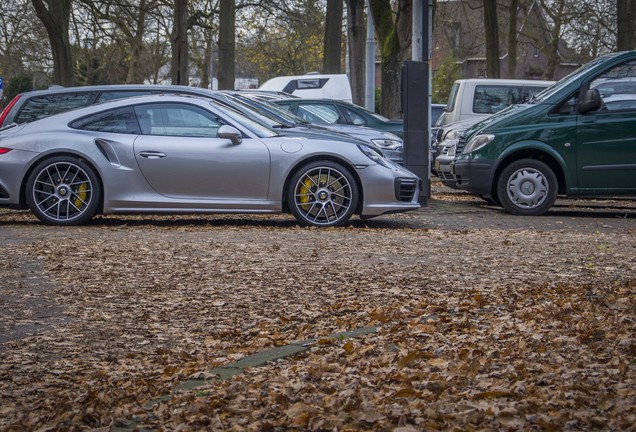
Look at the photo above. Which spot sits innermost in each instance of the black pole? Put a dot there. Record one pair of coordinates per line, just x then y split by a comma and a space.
416, 106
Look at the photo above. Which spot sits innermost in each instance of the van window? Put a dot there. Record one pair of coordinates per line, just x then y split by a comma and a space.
618, 87
490, 99
529, 92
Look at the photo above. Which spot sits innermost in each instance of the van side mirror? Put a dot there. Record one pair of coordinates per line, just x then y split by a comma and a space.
231, 133
591, 101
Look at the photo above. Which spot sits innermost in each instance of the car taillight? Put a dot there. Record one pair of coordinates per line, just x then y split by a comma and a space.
5, 112
4, 150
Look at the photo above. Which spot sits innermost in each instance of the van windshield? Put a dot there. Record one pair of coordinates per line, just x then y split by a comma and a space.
452, 98
564, 82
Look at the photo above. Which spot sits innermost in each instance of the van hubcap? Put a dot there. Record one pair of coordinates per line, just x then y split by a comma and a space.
527, 188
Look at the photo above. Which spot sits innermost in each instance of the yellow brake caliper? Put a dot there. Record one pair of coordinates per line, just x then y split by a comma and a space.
305, 190
81, 195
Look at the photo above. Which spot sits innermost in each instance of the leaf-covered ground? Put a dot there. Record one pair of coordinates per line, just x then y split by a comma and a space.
488, 328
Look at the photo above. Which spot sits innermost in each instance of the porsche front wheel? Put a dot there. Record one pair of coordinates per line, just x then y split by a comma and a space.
323, 194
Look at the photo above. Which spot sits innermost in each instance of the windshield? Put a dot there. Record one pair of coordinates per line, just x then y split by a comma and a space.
564, 82
269, 110
258, 126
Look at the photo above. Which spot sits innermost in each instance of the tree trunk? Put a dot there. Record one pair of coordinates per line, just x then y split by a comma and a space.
492, 38
55, 16
227, 46
179, 71
553, 48
512, 39
625, 25
134, 75
332, 52
356, 28
394, 38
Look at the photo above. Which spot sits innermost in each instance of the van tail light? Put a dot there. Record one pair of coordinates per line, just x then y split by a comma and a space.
5, 112
4, 150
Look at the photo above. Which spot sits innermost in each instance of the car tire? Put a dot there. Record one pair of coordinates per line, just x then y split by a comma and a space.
322, 194
527, 187
63, 190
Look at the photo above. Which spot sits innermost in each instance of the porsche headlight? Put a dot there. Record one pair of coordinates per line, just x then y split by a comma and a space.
477, 142
376, 157
387, 143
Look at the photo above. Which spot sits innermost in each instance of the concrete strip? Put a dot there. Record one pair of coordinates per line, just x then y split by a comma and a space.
227, 371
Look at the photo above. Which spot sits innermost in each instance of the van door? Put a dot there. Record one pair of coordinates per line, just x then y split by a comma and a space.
607, 137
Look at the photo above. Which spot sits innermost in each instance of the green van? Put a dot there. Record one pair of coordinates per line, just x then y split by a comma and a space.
576, 138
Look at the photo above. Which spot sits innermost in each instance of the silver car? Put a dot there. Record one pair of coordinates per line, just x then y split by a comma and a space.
180, 154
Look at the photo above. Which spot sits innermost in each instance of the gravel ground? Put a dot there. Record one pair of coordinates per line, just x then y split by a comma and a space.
486, 320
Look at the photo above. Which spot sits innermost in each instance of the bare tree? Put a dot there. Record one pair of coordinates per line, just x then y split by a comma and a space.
393, 30
55, 15
513, 33
559, 15
179, 70
492, 38
332, 52
356, 28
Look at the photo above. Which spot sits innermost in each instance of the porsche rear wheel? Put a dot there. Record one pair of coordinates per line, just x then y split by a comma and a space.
323, 194
63, 190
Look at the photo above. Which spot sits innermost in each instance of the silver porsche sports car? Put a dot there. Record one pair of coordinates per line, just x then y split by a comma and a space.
180, 154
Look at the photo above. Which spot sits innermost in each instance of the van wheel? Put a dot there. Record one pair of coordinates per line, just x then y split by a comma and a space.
527, 187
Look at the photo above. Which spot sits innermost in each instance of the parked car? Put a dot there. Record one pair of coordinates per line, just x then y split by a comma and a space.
330, 112
448, 147
566, 140
176, 154
481, 97
30, 106
390, 144
312, 85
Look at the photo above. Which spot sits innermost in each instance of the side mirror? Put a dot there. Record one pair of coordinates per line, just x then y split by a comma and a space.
231, 133
590, 102
358, 122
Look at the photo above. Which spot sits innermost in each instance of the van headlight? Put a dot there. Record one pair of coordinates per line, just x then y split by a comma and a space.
375, 156
387, 144
477, 142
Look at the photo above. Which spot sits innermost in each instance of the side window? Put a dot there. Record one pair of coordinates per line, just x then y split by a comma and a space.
175, 119
120, 120
38, 107
328, 113
492, 99
356, 118
311, 115
107, 96
570, 106
618, 87
285, 106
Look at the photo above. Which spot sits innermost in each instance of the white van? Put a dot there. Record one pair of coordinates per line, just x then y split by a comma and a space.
481, 97
312, 86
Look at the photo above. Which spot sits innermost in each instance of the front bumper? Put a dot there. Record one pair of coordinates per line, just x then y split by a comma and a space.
443, 169
386, 190
474, 175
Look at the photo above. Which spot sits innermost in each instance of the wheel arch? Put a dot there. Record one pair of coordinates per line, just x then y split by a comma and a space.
41, 158
298, 166
531, 153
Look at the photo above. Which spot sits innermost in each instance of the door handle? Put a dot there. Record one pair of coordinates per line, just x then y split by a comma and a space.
152, 155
